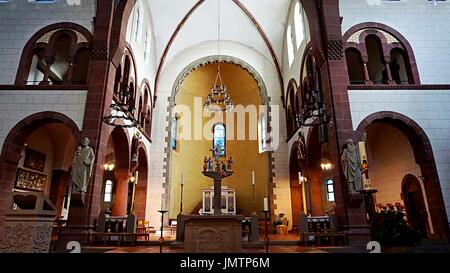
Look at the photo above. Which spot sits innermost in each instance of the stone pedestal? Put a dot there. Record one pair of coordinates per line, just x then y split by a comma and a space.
213, 234
180, 228
28, 227
254, 228
78, 199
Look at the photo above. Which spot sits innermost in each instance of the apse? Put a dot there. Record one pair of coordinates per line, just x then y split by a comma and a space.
241, 141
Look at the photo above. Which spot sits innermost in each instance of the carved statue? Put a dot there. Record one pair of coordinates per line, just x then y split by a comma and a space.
82, 166
224, 168
351, 166
229, 163
301, 151
205, 164
210, 165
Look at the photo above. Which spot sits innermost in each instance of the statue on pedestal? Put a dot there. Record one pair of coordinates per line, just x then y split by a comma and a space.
210, 165
205, 164
82, 166
351, 167
229, 163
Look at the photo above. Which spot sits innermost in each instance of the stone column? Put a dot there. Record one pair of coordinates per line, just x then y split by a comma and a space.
350, 210
366, 74
99, 96
121, 196
48, 63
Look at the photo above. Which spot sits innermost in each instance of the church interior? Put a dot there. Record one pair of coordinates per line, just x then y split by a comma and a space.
224, 126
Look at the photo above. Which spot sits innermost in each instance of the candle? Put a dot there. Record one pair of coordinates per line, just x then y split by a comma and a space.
266, 204
253, 178
362, 151
300, 178
163, 199
181, 179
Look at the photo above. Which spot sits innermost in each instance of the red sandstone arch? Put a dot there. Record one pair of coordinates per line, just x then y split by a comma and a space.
31, 45
404, 44
140, 199
295, 166
14, 143
423, 154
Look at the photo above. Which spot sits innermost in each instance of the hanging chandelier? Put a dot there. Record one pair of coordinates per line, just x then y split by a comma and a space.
121, 111
218, 99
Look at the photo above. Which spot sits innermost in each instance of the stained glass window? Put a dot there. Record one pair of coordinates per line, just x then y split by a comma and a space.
219, 138
174, 132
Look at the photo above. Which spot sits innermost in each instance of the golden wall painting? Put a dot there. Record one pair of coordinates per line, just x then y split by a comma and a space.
30, 180
34, 160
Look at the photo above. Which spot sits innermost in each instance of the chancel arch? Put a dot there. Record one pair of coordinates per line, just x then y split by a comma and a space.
247, 91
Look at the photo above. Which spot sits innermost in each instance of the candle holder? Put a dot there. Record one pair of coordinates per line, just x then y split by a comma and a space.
266, 236
253, 200
161, 239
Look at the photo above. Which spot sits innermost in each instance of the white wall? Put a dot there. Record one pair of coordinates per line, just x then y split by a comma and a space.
425, 26
429, 108
19, 20
16, 105
171, 71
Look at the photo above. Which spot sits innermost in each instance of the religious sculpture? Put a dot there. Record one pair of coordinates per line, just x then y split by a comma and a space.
82, 166
205, 164
301, 147
365, 168
224, 168
351, 166
210, 165
230, 163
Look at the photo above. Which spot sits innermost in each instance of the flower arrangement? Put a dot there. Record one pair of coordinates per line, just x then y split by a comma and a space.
390, 227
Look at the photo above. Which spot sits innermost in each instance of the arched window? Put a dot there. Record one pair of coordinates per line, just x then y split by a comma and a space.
56, 54
146, 46
263, 135
290, 45
299, 27
399, 70
136, 32
355, 66
219, 138
174, 132
378, 54
330, 190
376, 66
108, 191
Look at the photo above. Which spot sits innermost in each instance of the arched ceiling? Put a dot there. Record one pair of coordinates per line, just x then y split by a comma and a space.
235, 24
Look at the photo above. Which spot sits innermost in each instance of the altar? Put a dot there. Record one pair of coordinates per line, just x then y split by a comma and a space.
227, 201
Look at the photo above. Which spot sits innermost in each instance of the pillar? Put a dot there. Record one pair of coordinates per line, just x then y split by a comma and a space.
82, 220
120, 201
350, 210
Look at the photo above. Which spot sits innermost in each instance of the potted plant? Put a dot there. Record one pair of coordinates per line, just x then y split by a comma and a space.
390, 227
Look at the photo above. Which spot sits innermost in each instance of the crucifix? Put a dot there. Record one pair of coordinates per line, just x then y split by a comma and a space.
217, 174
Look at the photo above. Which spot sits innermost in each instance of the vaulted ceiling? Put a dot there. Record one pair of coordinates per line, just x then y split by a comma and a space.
236, 25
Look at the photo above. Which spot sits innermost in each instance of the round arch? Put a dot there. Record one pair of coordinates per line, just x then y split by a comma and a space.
423, 155
14, 143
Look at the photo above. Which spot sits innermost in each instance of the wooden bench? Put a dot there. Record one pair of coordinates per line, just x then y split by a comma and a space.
121, 237
317, 229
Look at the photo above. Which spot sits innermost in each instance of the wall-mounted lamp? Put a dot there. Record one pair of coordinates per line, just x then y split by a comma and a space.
325, 165
421, 177
108, 167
